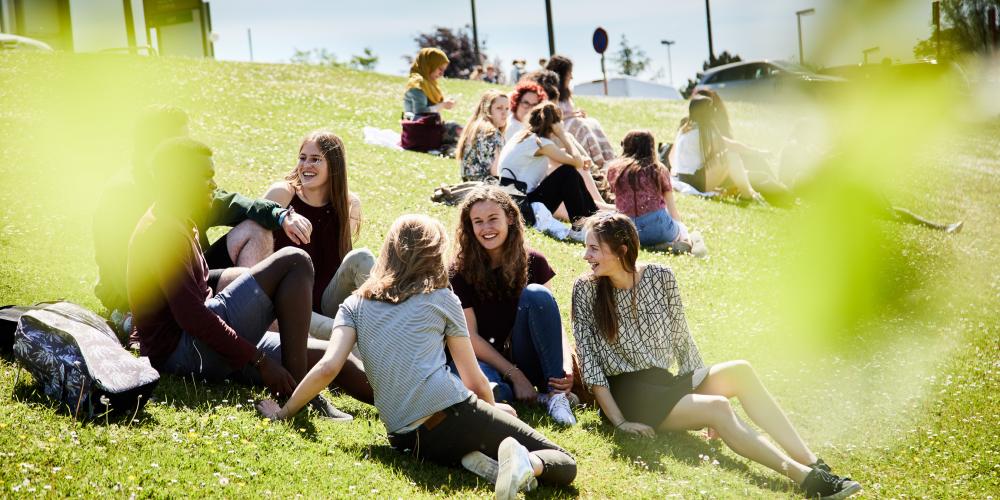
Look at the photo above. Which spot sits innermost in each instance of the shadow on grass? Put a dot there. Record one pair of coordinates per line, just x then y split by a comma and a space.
30, 394
647, 454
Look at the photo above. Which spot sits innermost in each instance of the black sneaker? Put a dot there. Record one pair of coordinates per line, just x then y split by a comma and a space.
327, 410
822, 484
821, 465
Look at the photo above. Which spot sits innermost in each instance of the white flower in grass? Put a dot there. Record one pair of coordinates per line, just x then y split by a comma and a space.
105, 401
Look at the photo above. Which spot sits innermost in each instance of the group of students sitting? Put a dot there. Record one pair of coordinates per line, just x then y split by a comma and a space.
435, 343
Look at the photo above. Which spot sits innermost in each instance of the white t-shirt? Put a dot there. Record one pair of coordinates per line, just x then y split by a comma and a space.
518, 161
513, 127
689, 158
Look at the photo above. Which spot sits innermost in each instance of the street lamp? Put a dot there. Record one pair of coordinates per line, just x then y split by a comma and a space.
708, 19
548, 22
798, 20
475, 33
670, 63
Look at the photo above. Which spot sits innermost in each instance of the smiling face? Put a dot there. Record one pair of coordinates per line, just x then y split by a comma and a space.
490, 225
528, 101
312, 168
499, 110
439, 72
603, 261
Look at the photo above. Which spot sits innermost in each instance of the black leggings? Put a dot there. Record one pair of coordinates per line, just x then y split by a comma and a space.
474, 425
565, 186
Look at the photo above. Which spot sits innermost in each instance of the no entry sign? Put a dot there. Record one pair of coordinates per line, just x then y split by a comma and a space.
600, 40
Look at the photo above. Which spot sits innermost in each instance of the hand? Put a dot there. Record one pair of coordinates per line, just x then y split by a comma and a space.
588, 164
506, 408
581, 113
711, 434
523, 390
297, 228
448, 104
637, 429
276, 378
268, 408
562, 385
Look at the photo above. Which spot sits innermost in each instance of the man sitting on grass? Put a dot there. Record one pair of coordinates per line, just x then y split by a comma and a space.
182, 328
127, 198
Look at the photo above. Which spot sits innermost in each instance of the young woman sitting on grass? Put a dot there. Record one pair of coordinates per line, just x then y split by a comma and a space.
525, 97
554, 173
402, 319
586, 130
512, 315
483, 137
643, 192
423, 95
629, 325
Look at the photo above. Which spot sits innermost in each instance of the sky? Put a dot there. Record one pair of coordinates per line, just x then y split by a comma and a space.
754, 29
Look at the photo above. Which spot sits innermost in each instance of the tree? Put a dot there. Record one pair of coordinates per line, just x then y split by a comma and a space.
318, 57
963, 30
457, 45
365, 62
630, 60
724, 58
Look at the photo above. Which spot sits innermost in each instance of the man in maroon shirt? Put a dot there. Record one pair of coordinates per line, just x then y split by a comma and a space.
182, 328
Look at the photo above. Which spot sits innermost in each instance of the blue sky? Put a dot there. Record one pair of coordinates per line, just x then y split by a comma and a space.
755, 29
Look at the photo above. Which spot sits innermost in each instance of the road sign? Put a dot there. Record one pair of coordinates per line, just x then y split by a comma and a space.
600, 40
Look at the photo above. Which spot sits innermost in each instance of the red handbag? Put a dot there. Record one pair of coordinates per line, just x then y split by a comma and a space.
423, 133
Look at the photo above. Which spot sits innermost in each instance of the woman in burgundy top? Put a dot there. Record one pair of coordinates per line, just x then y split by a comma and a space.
512, 316
317, 189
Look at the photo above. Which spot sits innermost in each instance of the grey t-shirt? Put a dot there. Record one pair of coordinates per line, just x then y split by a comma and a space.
402, 347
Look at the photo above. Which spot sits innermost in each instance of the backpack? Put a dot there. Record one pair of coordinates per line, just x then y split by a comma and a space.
77, 360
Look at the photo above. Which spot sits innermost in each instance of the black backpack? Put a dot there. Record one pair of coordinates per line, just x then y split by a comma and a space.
76, 359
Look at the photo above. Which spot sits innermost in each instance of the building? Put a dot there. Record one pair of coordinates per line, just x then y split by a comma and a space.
165, 27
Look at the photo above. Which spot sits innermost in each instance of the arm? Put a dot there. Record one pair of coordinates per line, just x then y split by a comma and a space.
668, 198
418, 103
485, 351
297, 227
229, 209
468, 368
614, 414
740, 148
560, 157
320, 376
355, 213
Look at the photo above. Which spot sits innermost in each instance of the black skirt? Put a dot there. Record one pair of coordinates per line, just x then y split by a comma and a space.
647, 396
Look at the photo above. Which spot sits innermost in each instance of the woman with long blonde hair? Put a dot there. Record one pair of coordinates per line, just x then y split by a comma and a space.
402, 318
483, 137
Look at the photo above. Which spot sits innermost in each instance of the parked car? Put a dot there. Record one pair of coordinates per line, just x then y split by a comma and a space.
766, 80
913, 72
17, 42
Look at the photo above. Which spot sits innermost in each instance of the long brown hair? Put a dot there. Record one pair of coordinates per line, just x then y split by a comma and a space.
411, 261
721, 113
470, 259
480, 122
702, 114
618, 233
639, 160
336, 161
562, 66
541, 120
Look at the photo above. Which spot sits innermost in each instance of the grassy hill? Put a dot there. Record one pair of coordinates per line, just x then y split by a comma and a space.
880, 339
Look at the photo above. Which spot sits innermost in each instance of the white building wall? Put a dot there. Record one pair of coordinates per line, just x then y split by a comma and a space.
98, 25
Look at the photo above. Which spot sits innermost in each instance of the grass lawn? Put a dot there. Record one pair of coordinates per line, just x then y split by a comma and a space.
879, 339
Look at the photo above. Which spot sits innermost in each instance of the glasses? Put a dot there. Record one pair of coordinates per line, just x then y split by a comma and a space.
528, 104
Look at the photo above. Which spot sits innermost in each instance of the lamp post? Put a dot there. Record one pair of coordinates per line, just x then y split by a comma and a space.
548, 21
798, 20
708, 19
670, 64
475, 33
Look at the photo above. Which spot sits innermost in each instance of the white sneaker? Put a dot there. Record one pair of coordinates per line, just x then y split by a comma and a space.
481, 465
546, 223
514, 472
576, 235
698, 248
560, 411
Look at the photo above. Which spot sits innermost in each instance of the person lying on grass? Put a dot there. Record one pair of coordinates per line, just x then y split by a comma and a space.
513, 317
125, 200
629, 325
483, 137
643, 192
317, 188
183, 328
403, 318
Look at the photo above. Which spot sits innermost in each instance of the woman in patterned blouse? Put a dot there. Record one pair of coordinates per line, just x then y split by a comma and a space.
482, 138
630, 328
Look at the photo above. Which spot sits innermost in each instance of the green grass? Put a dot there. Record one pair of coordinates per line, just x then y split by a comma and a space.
880, 339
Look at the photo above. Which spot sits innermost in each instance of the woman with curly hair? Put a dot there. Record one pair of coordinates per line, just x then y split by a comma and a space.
513, 318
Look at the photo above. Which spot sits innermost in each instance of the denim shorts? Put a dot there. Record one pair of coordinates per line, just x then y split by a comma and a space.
245, 307
656, 227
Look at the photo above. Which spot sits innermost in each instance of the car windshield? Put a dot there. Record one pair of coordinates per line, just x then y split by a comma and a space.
792, 67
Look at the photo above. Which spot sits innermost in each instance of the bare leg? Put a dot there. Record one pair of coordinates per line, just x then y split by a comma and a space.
561, 213
287, 277
738, 379
903, 215
249, 243
739, 175
229, 275
696, 411
588, 180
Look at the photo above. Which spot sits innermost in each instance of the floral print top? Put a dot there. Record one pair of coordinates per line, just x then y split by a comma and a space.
479, 155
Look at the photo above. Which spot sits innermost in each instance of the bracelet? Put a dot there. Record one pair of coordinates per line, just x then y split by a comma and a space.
506, 376
623, 422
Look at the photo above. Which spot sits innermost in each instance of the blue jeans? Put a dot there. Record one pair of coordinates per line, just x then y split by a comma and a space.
656, 227
535, 343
